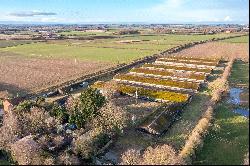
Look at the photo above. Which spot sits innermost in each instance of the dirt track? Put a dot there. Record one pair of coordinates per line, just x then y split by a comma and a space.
23, 75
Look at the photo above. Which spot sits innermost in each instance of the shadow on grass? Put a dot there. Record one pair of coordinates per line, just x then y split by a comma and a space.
13, 90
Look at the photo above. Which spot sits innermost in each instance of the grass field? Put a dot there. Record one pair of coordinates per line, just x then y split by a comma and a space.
9, 43
43, 50
108, 50
227, 142
242, 39
243, 77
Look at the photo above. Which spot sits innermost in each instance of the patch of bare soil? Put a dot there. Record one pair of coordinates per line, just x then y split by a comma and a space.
22, 75
218, 50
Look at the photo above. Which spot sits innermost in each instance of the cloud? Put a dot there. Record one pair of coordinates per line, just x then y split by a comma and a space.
228, 18
31, 14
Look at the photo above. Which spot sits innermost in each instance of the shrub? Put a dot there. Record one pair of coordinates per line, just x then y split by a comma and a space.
26, 151
24, 106
85, 145
112, 119
131, 157
60, 113
161, 155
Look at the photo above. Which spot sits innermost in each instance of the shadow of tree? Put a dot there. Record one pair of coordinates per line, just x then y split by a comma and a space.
12, 89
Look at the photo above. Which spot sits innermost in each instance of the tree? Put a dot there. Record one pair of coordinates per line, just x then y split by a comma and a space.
86, 107
60, 113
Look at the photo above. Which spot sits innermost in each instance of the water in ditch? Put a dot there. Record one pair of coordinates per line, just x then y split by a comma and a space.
236, 100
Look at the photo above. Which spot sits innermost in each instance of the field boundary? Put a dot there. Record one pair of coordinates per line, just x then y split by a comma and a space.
90, 78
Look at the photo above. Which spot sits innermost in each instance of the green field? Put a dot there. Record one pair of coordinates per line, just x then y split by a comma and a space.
227, 141
43, 50
241, 77
242, 39
10, 43
107, 50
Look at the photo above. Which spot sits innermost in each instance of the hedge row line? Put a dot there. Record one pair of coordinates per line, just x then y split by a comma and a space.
154, 94
164, 82
189, 62
168, 73
206, 70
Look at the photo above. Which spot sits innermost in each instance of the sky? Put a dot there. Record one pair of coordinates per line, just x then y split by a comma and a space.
124, 11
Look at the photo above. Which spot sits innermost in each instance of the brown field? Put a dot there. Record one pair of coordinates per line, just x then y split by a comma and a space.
23, 75
218, 50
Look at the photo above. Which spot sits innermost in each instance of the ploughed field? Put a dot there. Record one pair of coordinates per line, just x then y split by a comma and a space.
34, 66
23, 75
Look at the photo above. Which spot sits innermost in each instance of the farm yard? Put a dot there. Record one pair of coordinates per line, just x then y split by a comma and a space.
73, 58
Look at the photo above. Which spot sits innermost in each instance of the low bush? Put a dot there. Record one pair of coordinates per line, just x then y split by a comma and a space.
160, 155
86, 145
112, 119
